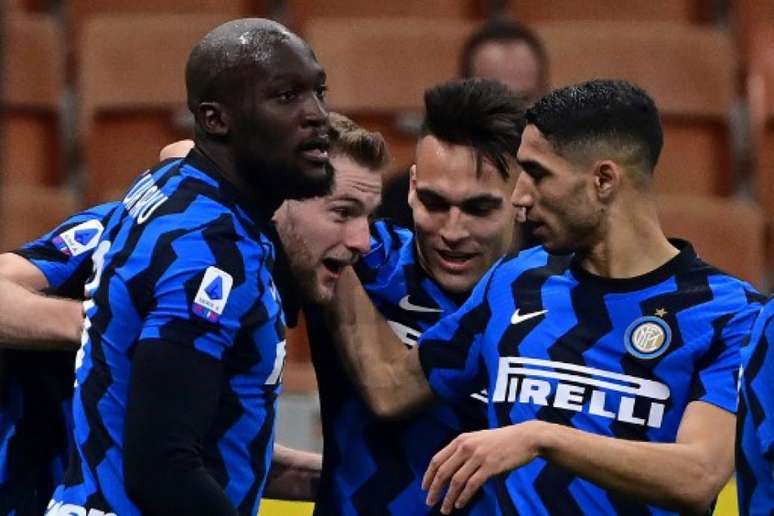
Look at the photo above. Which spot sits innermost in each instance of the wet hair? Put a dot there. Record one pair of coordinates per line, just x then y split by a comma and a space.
505, 31
479, 113
615, 114
365, 147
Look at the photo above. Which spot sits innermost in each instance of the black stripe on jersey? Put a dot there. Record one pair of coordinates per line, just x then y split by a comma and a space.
44, 252
553, 487
751, 372
747, 482
754, 297
257, 450
698, 389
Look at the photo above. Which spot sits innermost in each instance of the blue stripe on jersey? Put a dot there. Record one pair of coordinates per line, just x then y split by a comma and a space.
620, 358
755, 420
182, 262
35, 420
371, 466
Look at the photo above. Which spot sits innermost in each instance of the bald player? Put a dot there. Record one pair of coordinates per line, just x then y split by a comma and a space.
178, 375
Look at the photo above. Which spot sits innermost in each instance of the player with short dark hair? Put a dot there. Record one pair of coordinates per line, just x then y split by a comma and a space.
177, 380
754, 433
610, 370
461, 185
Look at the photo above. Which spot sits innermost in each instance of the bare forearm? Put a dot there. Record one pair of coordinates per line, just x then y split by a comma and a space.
32, 321
672, 475
294, 474
387, 373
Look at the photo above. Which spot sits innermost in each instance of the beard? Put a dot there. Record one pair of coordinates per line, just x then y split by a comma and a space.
303, 266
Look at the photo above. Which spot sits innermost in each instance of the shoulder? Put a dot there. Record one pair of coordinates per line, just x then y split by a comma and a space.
387, 241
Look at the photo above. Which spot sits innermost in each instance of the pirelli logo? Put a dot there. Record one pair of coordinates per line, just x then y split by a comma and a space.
566, 386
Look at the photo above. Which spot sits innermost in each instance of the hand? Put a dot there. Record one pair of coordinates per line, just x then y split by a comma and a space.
471, 459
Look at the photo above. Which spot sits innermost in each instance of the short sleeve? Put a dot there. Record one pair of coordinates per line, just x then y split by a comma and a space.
450, 352
756, 384
204, 288
65, 252
716, 376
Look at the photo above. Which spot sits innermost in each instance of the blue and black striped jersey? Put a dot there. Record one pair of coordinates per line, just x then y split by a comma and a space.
372, 466
37, 386
755, 419
615, 357
183, 262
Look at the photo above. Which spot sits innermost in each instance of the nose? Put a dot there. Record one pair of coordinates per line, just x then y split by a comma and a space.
315, 110
454, 231
357, 236
523, 198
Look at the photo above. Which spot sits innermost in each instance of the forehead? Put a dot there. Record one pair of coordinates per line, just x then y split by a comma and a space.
535, 147
354, 181
451, 171
289, 58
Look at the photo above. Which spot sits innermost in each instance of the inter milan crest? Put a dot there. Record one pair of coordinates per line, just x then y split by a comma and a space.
213, 293
648, 337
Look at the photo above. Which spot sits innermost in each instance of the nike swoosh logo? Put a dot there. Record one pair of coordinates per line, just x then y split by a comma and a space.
407, 305
517, 318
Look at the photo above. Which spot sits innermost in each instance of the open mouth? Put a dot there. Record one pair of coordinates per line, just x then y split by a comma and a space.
334, 266
455, 259
316, 150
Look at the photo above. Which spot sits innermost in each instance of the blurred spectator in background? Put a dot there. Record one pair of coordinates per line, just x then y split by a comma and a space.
503, 50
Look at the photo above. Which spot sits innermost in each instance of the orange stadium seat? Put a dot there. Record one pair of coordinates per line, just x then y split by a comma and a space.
132, 92
688, 70
760, 93
750, 17
685, 11
32, 78
378, 69
728, 233
26, 212
302, 12
299, 374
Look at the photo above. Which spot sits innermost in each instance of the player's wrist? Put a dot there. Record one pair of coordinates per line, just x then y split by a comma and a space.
538, 436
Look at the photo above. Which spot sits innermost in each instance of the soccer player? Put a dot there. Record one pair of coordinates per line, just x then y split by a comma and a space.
177, 380
609, 353
754, 432
461, 186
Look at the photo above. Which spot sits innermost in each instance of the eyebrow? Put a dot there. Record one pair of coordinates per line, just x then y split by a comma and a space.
470, 200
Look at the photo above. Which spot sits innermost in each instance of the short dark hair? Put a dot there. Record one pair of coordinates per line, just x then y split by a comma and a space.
612, 112
365, 147
479, 113
504, 31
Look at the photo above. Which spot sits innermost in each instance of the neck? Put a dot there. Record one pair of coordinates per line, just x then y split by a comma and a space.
224, 161
633, 242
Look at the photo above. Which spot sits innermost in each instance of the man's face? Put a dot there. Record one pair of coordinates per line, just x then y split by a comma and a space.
514, 64
280, 127
555, 197
463, 221
324, 234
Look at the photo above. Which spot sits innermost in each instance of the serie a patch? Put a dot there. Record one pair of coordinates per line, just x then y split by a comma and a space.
79, 239
210, 300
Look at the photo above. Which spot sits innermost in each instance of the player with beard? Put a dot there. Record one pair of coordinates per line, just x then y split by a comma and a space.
609, 353
177, 379
461, 186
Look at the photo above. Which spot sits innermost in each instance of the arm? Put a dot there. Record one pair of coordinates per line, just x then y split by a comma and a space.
33, 321
684, 476
294, 474
172, 401
388, 375
22, 272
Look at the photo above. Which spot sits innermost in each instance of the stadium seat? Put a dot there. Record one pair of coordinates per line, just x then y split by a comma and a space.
32, 86
684, 11
378, 69
133, 94
26, 212
760, 95
298, 376
688, 70
728, 233
750, 16
302, 12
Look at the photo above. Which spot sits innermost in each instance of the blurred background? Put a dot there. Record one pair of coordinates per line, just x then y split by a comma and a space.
91, 90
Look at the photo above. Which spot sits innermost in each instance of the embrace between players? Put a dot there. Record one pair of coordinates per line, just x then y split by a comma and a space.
593, 374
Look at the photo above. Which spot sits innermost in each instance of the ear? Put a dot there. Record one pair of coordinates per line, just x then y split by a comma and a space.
412, 192
213, 118
608, 179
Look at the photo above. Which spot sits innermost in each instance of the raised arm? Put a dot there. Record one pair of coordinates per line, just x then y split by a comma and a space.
684, 476
387, 374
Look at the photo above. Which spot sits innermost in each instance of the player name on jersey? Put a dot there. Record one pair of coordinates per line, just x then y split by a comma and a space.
568, 386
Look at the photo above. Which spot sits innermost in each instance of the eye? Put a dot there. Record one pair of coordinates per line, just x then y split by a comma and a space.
287, 96
322, 92
433, 204
478, 211
342, 212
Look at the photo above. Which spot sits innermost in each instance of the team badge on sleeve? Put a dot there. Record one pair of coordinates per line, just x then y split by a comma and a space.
79, 239
648, 337
213, 293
